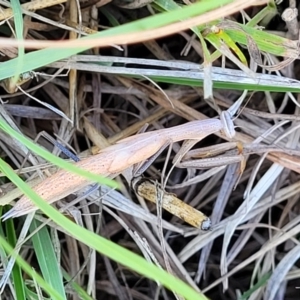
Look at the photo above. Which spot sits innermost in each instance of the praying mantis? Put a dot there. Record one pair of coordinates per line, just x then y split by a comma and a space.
130, 151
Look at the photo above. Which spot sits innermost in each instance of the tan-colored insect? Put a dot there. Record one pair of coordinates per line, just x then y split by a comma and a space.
115, 159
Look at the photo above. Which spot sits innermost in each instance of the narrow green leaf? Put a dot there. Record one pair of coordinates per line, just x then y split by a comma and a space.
47, 259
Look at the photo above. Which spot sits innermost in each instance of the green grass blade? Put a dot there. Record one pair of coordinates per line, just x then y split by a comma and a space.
46, 257
266, 42
237, 85
19, 25
262, 282
17, 279
79, 290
